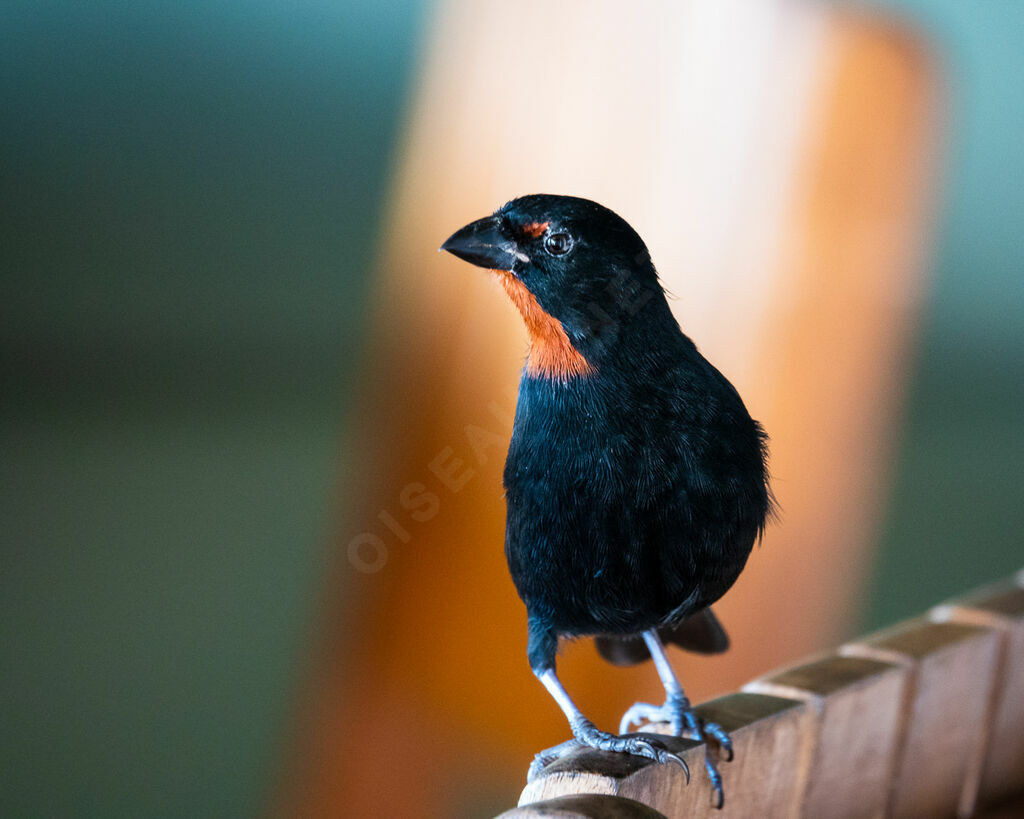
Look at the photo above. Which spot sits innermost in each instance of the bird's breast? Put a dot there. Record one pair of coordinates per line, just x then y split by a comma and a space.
552, 355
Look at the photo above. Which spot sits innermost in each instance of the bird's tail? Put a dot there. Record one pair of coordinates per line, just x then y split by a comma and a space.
700, 632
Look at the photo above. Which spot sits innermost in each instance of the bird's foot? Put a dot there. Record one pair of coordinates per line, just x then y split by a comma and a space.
642, 712
547, 756
679, 714
586, 735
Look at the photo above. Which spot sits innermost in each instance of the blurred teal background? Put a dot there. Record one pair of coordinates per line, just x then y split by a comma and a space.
956, 512
190, 195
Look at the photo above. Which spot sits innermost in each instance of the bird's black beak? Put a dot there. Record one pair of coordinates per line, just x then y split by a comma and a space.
482, 243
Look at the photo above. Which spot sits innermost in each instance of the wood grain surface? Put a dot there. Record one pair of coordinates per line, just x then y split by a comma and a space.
1000, 770
851, 750
952, 668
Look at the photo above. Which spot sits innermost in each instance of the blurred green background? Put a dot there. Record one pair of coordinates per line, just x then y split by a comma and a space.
190, 195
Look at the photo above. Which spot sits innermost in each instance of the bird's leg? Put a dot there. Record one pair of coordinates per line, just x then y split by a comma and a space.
542, 660
586, 733
678, 712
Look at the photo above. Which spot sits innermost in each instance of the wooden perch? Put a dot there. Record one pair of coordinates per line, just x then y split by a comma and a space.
925, 719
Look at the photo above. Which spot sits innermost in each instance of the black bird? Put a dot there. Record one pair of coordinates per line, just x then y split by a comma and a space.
636, 481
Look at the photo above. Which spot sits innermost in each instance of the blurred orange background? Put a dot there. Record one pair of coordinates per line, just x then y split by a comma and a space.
777, 157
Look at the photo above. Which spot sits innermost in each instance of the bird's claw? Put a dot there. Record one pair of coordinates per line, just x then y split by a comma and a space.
667, 756
683, 719
678, 713
639, 713
586, 735
717, 793
547, 756
716, 732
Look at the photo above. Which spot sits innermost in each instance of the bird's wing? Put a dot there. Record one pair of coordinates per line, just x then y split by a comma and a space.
700, 632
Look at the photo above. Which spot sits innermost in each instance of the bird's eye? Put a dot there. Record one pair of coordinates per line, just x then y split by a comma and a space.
558, 244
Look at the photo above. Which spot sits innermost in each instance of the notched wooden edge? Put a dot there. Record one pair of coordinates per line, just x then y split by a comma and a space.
999, 607
855, 664
584, 806
822, 677
1005, 599
742, 709
734, 712
916, 639
915, 643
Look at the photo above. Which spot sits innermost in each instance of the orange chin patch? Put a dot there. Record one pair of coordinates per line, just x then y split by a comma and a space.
551, 353
534, 229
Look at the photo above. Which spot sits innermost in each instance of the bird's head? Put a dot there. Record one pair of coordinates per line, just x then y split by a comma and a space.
578, 273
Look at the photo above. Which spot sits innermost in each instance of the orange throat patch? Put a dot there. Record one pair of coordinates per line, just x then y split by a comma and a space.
551, 353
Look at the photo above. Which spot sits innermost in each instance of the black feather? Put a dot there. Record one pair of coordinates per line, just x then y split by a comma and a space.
701, 632
635, 492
